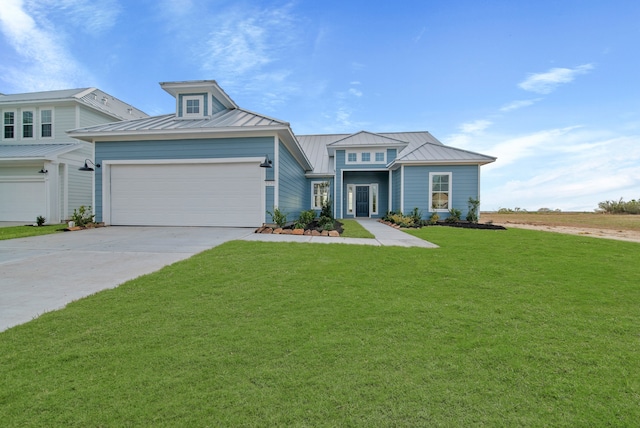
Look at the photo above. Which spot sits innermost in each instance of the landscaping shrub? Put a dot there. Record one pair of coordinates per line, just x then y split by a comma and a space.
472, 215
278, 217
82, 216
40, 220
454, 216
305, 219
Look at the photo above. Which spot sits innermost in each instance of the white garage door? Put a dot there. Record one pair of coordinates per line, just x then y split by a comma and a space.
22, 200
214, 194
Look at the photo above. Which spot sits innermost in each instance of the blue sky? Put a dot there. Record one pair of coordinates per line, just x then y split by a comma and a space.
551, 88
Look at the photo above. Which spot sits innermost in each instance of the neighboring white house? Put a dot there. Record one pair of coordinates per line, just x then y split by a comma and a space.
39, 162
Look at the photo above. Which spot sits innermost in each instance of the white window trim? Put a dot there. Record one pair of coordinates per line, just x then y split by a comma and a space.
440, 210
186, 98
33, 124
15, 124
40, 122
374, 190
372, 159
351, 199
313, 196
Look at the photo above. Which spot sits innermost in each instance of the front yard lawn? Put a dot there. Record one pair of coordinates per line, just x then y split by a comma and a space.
26, 231
494, 328
353, 229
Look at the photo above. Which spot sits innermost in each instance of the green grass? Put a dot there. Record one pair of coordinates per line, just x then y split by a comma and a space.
26, 231
353, 229
494, 328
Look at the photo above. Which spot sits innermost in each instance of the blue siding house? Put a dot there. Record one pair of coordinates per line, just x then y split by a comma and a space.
212, 163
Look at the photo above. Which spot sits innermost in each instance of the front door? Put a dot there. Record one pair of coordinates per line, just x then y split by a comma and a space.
362, 201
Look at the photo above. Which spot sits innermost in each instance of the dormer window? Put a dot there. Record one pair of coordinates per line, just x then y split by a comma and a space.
193, 106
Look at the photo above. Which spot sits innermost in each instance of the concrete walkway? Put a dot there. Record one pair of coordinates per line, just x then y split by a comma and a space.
384, 236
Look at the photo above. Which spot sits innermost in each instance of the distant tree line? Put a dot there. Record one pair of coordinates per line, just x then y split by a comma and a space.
620, 207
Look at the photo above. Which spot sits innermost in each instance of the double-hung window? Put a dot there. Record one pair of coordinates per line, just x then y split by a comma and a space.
27, 124
46, 123
366, 157
9, 124
320, 192
440, 191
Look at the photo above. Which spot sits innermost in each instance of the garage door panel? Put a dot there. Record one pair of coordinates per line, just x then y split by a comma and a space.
187, 194
22, 200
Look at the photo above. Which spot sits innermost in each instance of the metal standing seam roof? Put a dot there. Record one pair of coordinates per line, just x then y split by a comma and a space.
35, 151
91, 97
315, 146
235, 118
429, 152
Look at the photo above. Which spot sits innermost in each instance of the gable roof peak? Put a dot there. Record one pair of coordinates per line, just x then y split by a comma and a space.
367, 139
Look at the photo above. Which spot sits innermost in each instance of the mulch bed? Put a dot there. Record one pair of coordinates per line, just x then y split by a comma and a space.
467, 225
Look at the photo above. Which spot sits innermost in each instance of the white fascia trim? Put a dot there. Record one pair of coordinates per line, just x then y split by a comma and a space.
443, 162
181, 161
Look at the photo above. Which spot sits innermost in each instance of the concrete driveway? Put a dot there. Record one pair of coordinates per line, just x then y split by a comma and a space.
44, 273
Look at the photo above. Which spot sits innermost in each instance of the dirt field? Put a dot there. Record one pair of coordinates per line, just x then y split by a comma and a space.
609, 226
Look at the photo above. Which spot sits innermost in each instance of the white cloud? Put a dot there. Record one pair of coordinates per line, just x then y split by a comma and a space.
475, 126
47, 62
515, 105
248, 50
515, 148
244, 42
88, 16
544, 83
355, 92
570, 168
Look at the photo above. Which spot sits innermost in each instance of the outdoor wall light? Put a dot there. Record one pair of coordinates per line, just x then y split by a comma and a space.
87, 167
43, 171
268, 163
